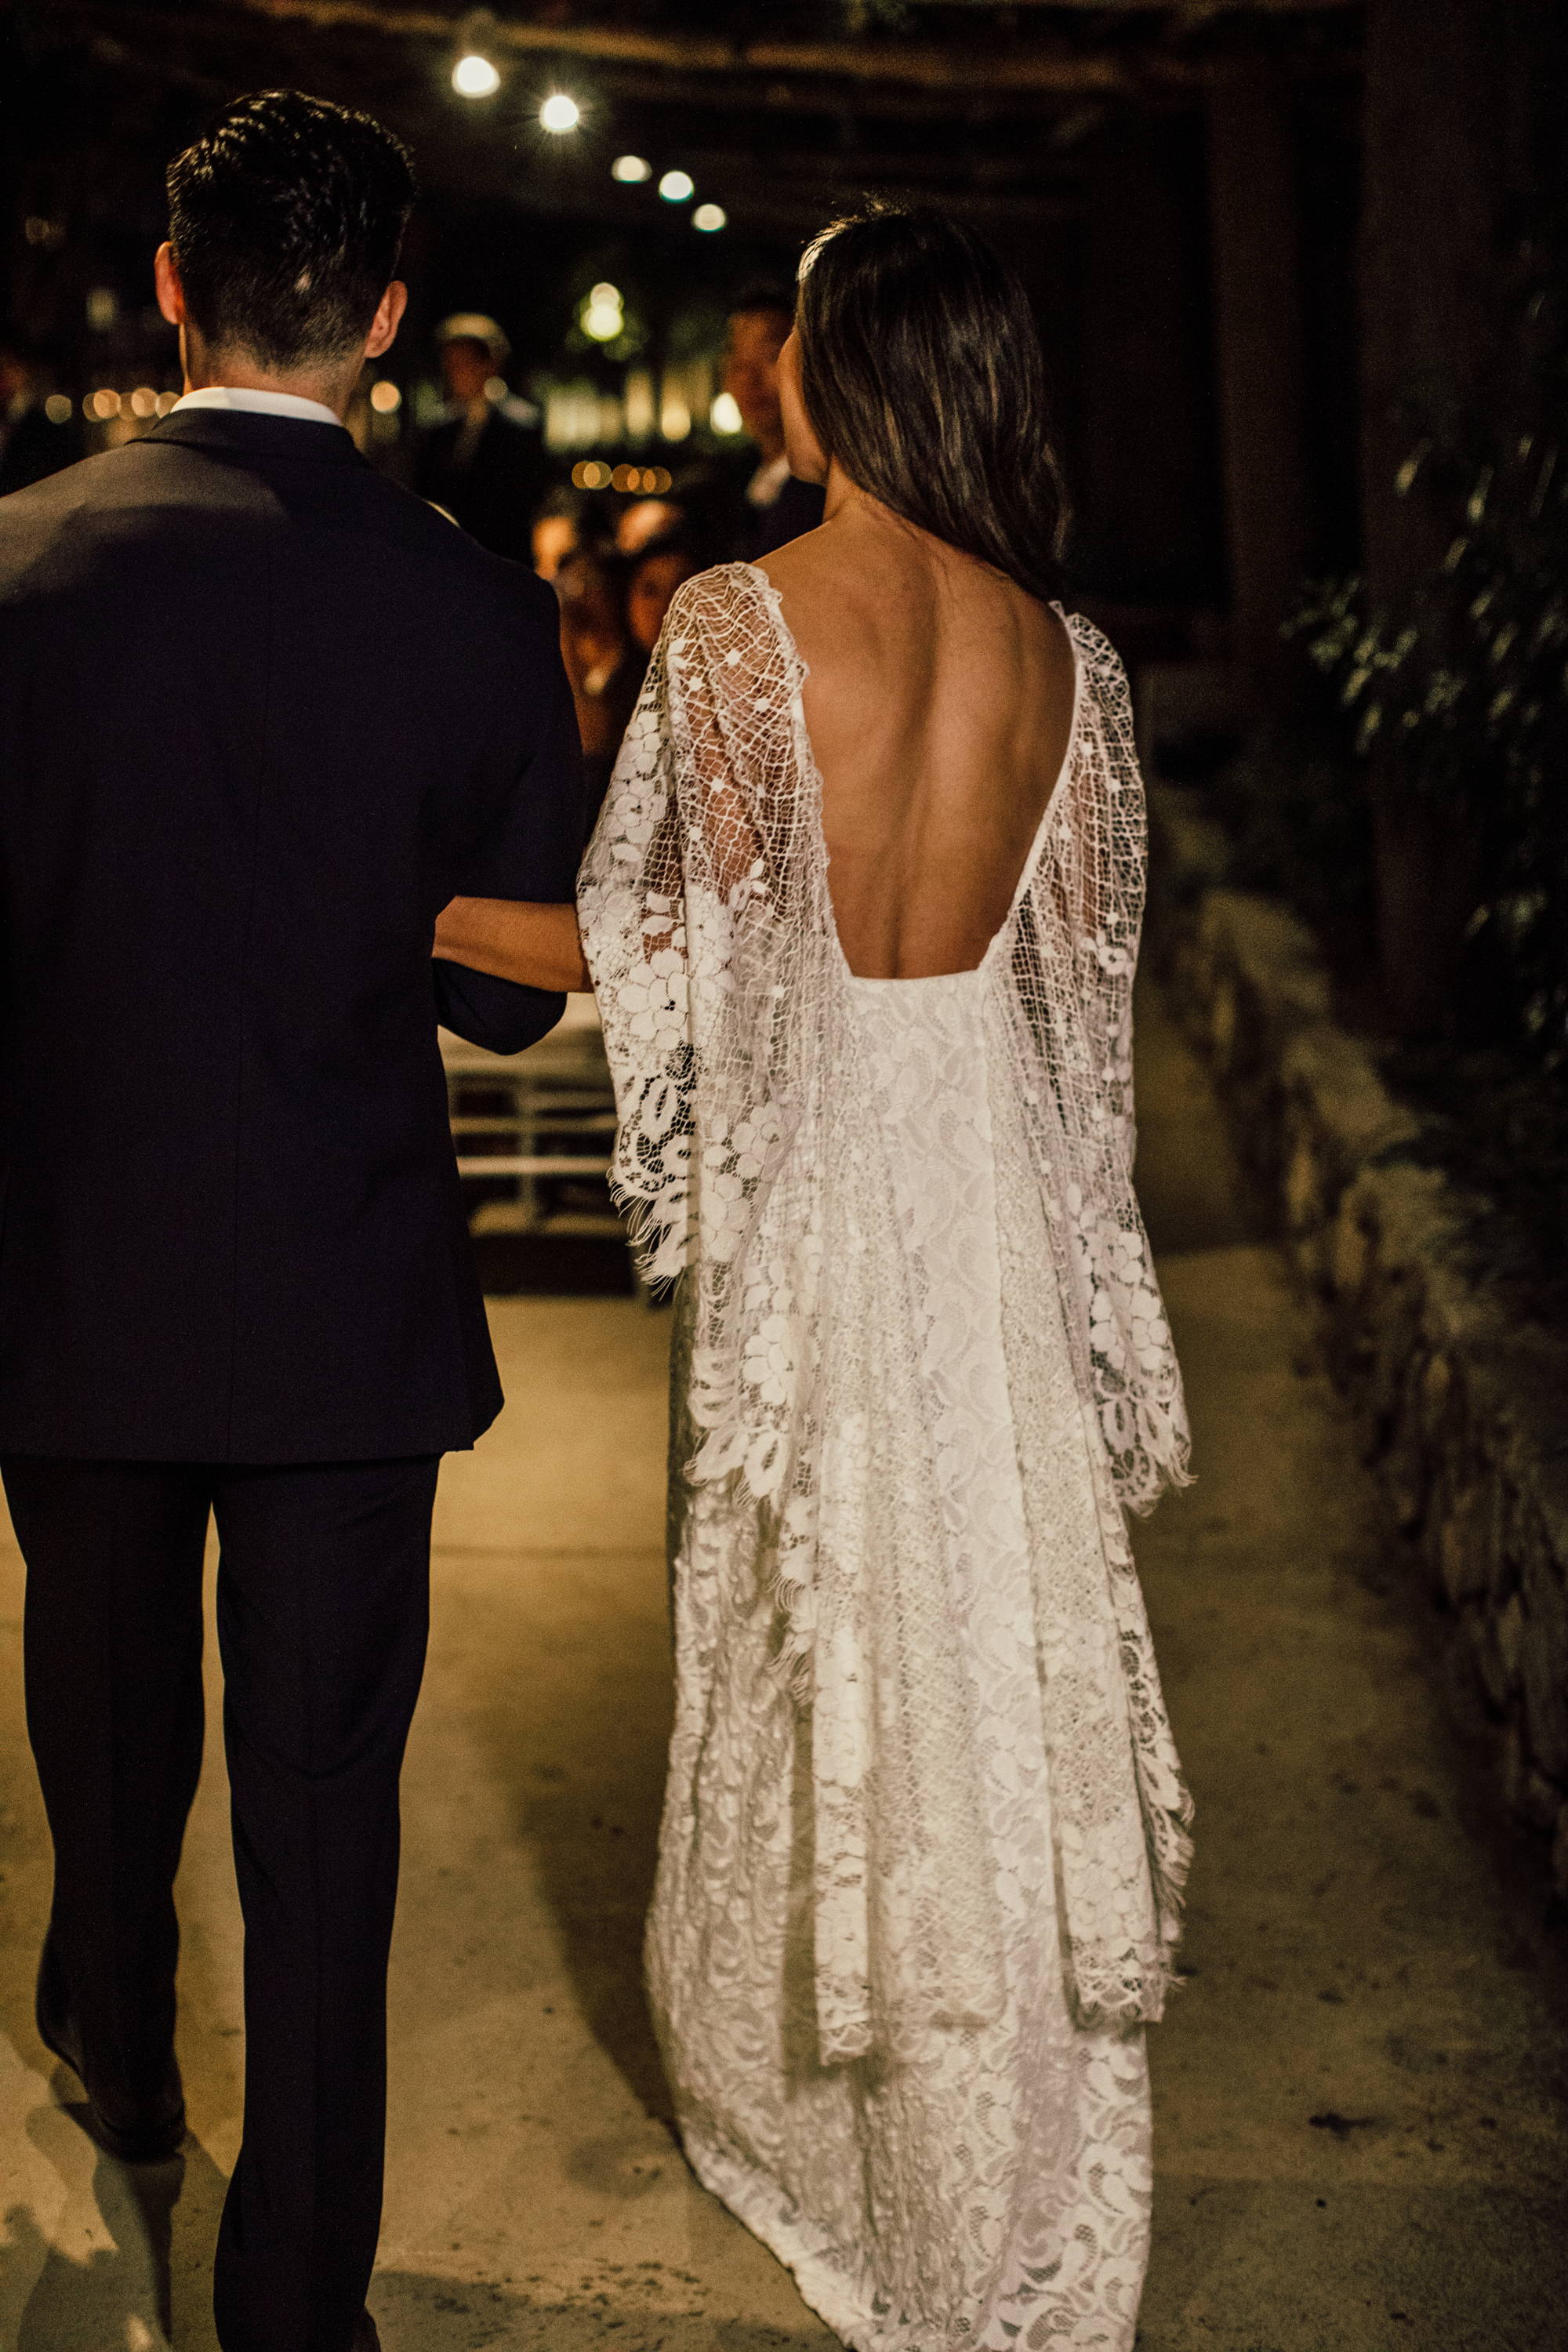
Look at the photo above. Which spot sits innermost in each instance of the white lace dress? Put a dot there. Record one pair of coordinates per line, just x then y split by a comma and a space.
924, 1828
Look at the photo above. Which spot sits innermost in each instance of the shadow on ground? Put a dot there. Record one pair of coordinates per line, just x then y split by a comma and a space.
417, 2314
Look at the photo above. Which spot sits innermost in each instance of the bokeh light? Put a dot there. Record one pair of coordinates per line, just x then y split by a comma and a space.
603, 315
632, 170
676, 187
475, 77
724, 415
708, 217
560, 113
386, 398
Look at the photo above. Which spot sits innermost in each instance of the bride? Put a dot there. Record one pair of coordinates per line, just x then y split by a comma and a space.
862, 914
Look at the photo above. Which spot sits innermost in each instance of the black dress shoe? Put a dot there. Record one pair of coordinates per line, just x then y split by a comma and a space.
133, 2131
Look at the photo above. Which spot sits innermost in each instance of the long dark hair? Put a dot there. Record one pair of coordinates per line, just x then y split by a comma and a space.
922, 373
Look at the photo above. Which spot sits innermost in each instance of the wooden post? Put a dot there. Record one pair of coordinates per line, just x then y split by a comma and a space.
1257, 333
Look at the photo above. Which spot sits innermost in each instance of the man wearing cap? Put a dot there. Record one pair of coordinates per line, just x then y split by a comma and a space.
485, 463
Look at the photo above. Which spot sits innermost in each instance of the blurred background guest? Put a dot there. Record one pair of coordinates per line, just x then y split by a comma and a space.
771, 506
602, 662
646, 519
485, 463
561, 525
33, 440
653, 577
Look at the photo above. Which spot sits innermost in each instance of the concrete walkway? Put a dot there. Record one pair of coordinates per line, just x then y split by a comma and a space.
1357, 2148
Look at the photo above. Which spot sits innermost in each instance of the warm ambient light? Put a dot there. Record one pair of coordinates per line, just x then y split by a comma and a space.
560, 112
58, 408
475, 77
677, 186
603, 315
632, 170
724, 415
386, 398
710, 216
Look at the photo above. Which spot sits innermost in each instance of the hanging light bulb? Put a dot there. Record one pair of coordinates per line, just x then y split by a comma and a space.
603, 315
473, 76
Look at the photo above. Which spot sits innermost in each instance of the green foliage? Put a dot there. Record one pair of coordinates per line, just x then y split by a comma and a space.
1469, 692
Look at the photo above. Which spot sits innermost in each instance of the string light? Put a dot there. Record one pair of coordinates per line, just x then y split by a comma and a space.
603, 315
724, 415
560, 113
708, 216
631, 170
473, 76
386, 398
676, 187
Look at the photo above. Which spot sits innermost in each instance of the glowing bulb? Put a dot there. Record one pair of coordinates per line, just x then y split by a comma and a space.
708, 216
386, 398
724, 415
560, 112
677, 186
475, 77
58, 408
603, 315
631, 169
145, 401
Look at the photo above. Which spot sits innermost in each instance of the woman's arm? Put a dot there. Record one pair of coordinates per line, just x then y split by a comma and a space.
514, 938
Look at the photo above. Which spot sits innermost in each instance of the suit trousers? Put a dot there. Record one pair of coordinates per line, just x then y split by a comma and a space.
322, 1613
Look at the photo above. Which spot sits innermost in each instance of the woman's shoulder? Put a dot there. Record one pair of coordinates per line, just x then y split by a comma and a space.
726, 617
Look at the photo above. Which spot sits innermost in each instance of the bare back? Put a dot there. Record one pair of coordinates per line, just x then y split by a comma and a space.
940, 706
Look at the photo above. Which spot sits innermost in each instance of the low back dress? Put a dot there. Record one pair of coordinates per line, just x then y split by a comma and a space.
925, 1831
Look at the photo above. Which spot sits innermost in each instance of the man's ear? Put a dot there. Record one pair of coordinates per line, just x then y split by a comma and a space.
387, 320
171, 293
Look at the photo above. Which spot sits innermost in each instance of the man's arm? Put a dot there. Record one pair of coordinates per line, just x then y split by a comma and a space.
532, 853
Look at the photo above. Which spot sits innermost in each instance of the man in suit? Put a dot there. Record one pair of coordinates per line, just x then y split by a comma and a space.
262, 715
486, 464
772, 506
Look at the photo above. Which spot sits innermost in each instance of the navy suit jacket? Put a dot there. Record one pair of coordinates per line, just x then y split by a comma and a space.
262, 713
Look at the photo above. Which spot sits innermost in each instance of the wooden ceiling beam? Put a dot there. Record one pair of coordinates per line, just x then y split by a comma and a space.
1018, 67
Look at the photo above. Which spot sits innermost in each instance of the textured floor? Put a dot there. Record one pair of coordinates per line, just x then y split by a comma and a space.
1359, 2091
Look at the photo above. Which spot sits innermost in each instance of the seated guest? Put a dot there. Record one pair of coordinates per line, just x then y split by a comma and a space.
603, 666
560, 529
771, 505
646, 519
652, 580
485, 464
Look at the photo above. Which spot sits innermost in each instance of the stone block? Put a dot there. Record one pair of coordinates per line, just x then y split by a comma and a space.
1463, 1535
1543, 1657
1529, 1796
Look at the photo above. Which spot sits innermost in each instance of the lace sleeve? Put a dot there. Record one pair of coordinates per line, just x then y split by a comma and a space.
631, 904
681, 864
1109, 831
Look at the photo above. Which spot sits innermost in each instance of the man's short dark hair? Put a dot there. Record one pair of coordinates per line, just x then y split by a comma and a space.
286, 219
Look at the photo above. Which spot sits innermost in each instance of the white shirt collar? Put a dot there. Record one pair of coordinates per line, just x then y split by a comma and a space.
259, 404
766, 484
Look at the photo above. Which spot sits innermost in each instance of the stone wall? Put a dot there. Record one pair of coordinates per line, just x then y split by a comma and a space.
1462, 1411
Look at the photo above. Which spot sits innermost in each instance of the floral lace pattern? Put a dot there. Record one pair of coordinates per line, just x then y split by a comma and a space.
724, 995
993, 2182
925, 1831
